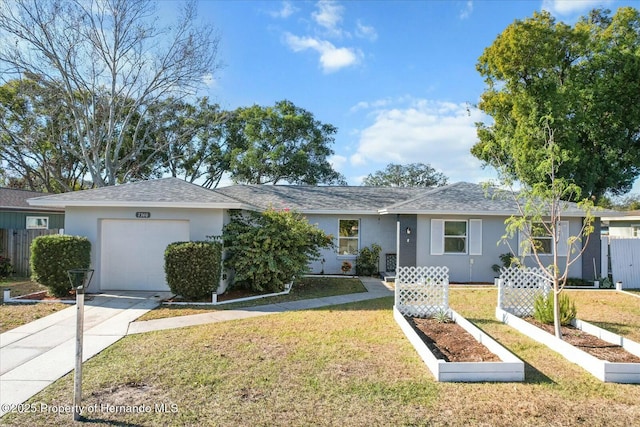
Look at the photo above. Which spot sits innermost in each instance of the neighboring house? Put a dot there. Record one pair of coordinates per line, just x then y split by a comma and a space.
20, 223
623, 224
17, 214
455, 226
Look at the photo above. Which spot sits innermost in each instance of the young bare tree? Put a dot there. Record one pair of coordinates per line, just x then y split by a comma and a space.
111, 60
541, 207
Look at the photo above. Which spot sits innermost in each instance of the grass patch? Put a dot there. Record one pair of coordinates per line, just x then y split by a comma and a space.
19, 286
305, 288
342, 365
14, 315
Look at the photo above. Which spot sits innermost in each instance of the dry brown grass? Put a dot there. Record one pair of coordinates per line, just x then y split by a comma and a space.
14, 315
342, 365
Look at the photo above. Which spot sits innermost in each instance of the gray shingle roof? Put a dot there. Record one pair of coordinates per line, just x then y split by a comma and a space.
11, 198
159, 192
459, 198
320, 198
466, 198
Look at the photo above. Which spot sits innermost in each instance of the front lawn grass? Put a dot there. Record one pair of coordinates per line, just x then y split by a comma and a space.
304, 288
14, 315
342, 365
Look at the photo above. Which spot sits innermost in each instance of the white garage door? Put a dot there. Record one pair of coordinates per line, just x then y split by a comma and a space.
132, 253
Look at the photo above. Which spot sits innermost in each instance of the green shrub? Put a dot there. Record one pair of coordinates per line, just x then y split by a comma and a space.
193, 268
267, 250
5, 267
543, 309
574, 281
368, 260
53, 256
508, 260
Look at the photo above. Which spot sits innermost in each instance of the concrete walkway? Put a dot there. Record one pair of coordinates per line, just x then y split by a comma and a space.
376, 289
35, 355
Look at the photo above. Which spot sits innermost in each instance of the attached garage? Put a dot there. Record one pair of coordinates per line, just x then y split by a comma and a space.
130, 225
132, 252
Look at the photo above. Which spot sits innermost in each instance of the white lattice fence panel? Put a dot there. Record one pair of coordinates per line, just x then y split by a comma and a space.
422, 291
518, 288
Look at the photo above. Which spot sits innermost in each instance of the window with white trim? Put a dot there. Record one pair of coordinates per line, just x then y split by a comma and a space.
37, 222
543, 241
455, 237
635, 230
349, 237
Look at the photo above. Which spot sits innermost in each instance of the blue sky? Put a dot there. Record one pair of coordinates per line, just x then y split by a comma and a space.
397, 78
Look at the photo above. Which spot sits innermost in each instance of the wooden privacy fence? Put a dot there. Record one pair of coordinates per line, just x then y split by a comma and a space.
422, 291
518, 288
16, 245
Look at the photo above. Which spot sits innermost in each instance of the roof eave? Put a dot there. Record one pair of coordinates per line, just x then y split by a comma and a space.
147, 204
465, 213
31, 209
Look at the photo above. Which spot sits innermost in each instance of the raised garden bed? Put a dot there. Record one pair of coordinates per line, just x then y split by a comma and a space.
508, 369
615, 372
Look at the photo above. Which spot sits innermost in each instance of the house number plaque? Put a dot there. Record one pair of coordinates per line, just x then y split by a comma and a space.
143, 214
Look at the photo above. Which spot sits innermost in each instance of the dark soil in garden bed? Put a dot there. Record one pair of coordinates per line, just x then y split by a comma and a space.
450, 342
590, 344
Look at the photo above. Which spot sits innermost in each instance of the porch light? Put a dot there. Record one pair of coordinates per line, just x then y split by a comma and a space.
408, 230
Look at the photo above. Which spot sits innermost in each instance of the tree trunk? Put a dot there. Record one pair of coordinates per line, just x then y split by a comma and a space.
556, 311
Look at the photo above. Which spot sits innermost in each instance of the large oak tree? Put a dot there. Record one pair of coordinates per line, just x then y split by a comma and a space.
586, 79
283, 143
111, 62
411, 175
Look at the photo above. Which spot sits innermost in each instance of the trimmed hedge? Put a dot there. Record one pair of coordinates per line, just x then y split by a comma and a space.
193, 268
53, 256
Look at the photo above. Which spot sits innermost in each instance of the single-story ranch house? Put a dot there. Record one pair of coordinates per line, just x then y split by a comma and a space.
457, 226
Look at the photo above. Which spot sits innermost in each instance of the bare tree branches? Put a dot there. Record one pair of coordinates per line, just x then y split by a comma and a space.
111, 61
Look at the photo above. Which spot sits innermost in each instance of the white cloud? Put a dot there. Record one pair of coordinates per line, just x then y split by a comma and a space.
337, 161
366, 105
329, 16
434, 132
332, 58
285, 11
366, 31
209, 80
568, 7
467, 10
327, 24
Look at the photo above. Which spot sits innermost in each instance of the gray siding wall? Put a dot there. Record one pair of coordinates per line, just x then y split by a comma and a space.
380, 229
17, 220
593, 254
466, 268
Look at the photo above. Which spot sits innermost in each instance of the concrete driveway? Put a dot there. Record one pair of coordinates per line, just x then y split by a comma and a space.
35, 355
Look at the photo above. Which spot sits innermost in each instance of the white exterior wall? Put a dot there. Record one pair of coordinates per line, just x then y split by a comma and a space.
380, 229
622, 228
86, 221
477, 268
